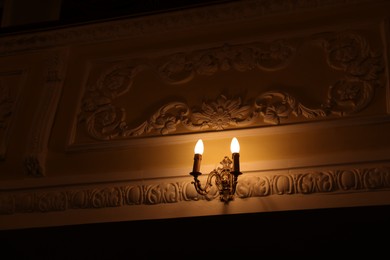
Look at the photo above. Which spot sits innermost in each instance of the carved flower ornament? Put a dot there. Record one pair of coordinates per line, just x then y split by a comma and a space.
347, 52
220, 114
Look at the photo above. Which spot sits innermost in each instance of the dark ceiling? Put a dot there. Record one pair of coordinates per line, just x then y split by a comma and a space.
89, 10
75, 12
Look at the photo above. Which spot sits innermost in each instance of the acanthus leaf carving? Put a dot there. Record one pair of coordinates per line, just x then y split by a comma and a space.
164, 121
182, 67
223, 113
278, 105
353, 92
349, 52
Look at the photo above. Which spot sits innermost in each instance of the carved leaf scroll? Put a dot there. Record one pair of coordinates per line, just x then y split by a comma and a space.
306, 183
347, 52
363, 68
182, 67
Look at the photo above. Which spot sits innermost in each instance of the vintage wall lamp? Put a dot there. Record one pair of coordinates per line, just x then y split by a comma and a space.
225, 176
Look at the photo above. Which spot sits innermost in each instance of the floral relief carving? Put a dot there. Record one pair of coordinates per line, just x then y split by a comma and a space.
264, 185
363, 68
347, 52
102, 118
182, 67
220, 114
162, 193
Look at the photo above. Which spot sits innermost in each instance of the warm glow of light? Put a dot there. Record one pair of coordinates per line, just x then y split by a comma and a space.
199, 147
234, 146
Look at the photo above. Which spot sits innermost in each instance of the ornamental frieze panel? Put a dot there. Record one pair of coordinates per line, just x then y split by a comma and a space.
110, 108
337, 182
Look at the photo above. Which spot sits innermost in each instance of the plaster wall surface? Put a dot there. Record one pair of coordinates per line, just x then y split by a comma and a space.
98, 121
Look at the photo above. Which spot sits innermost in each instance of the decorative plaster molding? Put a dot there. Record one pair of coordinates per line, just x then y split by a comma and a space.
182, 67
167, 22
36, 149
305, 182
9, 97
347, 52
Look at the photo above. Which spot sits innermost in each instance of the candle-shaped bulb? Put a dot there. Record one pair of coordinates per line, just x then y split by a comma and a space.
198, 156
199, 147
234, 146
235, 149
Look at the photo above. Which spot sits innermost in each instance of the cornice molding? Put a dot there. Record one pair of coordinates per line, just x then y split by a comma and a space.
167, 22
265, 184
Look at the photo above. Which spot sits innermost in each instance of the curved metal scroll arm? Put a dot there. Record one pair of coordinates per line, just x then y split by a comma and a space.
225, 181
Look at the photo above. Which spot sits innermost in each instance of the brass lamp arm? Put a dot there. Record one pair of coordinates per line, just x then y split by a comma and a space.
198, 185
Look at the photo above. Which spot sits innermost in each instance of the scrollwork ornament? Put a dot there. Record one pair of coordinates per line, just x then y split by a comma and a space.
106, 197
376, 178
347, 52
163, 122
52, 201
307, 182
275, 106
103, 120
171, 193
262, 187
180, 68
153, 194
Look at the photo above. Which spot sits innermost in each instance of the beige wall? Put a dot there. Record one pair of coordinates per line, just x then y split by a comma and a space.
99, 121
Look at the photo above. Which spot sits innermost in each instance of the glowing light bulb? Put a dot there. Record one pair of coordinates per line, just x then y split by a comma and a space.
198, 156
199, 147
235, 149
234, 146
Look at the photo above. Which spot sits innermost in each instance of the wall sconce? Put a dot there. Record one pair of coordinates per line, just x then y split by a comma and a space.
225, 176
